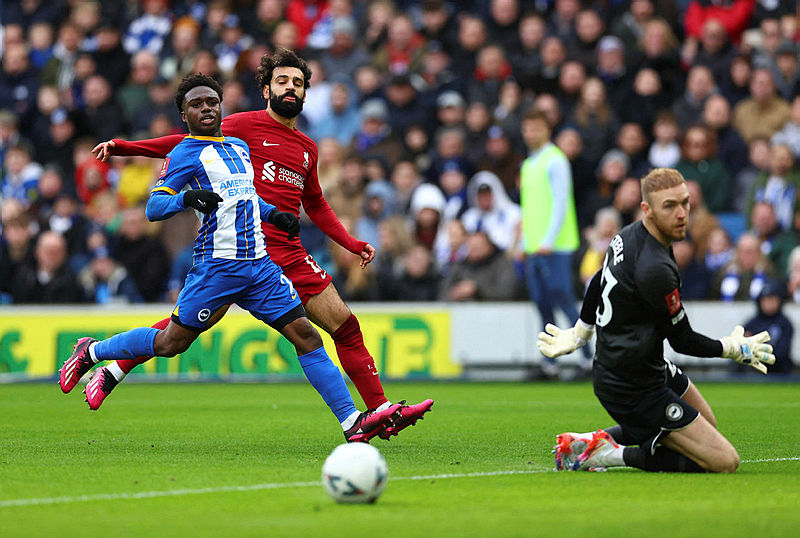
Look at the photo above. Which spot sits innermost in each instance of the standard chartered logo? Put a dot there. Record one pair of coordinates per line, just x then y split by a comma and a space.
269, 171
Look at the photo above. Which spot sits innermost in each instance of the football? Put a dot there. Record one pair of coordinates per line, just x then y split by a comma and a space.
355, 473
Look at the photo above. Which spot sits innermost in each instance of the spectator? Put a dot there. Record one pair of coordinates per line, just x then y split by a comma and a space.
485, 274
378, 199
525, 60
59, 71
346, 197
570, 142
450, 109
665, 152
450, 148
511, 106
402, 52
41, 40
329, 163
48, 280
731, 149
776, 244
379, 13
744, 276
303, 14
787, 74
789, 135
491, 70
418, 281
659, 52
553, 55
701, 223
764, 113
102, 116
342, 120
405, 179
133, 96
352, 282
734, 16
571, 80
344, 55
770, 317
646, 100
395, 242
427, 209
502, 160
595, 120
451, 245
758, 151
695, 278
562, 19
374, 136
110, 57
453, 182
779, 187
184, 43
436, 72
699, 162
141, 255
719, 251
471, 38
20, 175
104, 281
438, 25
405, 105
700, 86
491, 211
149, 31
630, 25
715, 50
503, 23
611, 171
232, 43
16, 249
607, 224
417, 149
735, 86
613, 71
589, 28
633, 143
18, 84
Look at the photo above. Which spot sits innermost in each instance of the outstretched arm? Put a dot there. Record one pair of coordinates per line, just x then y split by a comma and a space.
151, 147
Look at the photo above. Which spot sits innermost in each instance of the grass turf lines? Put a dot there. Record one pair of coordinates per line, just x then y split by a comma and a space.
245, 460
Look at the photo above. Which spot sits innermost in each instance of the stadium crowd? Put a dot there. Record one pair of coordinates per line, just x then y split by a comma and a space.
417, 108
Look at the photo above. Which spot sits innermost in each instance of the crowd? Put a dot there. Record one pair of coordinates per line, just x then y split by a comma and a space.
418, 109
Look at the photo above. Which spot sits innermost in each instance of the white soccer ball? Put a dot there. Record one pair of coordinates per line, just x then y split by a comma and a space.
355, 473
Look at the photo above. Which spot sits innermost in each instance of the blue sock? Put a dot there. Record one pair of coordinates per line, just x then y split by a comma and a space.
327, 379
127, 345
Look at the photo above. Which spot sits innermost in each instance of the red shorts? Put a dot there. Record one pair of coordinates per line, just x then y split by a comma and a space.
308, 278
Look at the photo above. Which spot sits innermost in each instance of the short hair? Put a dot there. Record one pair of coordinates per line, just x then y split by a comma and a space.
535, 114
281, 58
659, 179
193, 81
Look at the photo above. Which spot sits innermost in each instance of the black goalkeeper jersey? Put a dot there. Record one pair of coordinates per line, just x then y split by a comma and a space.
639, 304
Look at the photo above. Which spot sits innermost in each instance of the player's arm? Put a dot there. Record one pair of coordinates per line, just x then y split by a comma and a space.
554, 342
169, 197
151, 147
283, 220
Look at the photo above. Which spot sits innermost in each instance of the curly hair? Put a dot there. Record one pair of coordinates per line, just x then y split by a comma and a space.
193, 81
281, 58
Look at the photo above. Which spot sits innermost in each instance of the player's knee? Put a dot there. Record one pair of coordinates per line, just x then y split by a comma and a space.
169, 347
725, 462
303, 335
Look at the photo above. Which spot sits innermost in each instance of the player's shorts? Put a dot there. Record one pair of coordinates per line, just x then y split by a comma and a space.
647, 417
309, 279
258, 286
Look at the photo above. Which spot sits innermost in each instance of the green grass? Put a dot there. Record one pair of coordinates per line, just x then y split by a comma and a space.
162, 438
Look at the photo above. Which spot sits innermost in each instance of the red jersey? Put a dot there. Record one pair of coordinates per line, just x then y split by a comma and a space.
285, 167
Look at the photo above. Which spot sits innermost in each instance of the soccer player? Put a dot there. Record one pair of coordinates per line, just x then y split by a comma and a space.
634, 301
214, 175
286, 163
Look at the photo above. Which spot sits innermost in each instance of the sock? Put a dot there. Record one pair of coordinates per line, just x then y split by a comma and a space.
129, 344
350, 421
383, 406
91, 353
662, 459
358, 363
325, 377
115, 370
129, 364
618, 434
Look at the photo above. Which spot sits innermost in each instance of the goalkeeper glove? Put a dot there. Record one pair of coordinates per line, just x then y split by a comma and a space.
283, 220
750, 350
555, 342
203, 200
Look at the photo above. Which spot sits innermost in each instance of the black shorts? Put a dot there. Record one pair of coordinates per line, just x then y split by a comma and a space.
647, 417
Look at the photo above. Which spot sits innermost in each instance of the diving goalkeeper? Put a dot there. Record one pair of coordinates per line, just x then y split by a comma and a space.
634, 302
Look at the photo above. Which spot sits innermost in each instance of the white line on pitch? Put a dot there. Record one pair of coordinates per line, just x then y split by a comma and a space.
273, 485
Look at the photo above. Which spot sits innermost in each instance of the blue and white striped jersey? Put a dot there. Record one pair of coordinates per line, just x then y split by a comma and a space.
220, 164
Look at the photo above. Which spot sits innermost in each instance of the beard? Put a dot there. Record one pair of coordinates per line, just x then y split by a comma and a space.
282, 107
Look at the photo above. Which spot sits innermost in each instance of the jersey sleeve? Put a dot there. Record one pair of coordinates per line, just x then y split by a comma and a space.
166, 198
659, 286
591, 299
266, 209
323, 216
151, 147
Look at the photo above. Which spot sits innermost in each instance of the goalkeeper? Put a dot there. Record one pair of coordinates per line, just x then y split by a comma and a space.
634, 302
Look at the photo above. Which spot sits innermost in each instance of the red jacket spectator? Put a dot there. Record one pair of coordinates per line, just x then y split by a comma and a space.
733, 14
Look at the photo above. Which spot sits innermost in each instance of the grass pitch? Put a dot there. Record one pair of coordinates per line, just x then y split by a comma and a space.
245, 460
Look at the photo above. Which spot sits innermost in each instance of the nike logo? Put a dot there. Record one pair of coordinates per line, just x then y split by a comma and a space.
209, 161
269, 143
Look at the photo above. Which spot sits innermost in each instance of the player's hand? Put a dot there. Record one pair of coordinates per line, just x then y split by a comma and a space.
203, 200
555, 342
367, 255
283, 220
751, 350
103, 150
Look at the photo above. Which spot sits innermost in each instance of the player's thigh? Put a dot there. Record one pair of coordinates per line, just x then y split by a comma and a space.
327, 309
209, 289
308, 277
705, 445
271, 294
173, 339
693, 397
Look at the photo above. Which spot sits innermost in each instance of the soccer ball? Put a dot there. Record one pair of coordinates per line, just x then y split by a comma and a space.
355, 473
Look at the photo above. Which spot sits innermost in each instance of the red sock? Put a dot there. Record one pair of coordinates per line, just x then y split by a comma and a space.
129, 364
358, 363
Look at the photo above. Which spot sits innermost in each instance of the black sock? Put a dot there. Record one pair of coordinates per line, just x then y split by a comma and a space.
616, 432
663, 459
